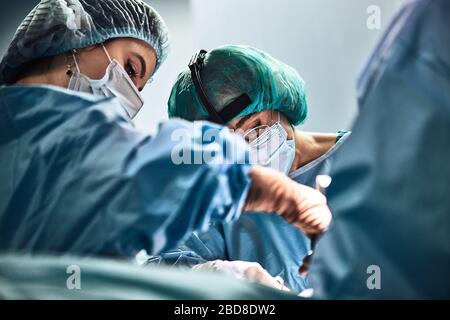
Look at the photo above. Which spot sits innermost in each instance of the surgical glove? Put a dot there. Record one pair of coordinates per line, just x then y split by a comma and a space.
251, 271
302, 206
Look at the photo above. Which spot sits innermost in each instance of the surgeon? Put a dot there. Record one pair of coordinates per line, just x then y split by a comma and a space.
76, 176
263, 99
390, 237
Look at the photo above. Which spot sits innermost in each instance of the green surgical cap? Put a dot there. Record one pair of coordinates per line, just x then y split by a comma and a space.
57, 26
230, 71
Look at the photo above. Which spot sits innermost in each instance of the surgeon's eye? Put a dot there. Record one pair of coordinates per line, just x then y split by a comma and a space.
254, 123
130, 69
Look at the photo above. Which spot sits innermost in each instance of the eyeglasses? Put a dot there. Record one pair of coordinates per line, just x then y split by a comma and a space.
259, 131
255, 133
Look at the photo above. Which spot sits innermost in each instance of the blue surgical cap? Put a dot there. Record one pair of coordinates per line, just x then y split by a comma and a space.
57, 26
230, 71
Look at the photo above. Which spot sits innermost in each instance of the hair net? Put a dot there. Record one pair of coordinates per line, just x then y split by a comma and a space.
57, 26
230, 71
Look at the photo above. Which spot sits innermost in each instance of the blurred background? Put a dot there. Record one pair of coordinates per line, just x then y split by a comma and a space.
326, 41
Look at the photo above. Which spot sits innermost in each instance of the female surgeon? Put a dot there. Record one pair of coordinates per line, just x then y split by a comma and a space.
262, 98
77, 177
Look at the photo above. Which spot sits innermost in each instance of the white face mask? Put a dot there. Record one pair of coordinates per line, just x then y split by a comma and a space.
115, 83
272, 149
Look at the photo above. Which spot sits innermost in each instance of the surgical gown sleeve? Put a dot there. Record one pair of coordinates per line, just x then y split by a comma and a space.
390, 193
199, 247
77, 177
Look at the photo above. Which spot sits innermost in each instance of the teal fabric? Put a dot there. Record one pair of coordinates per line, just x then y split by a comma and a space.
232, 70
46, 277
340, 134
77, 177
390, 190
57, 26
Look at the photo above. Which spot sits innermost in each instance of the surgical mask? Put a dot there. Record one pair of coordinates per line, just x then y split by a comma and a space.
272, 149
115, 83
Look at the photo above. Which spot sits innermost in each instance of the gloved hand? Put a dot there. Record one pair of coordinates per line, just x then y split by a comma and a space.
251, 271
302, 206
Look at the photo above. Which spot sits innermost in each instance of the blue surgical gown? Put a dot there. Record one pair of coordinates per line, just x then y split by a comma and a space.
390, 197
76, 176
267, 239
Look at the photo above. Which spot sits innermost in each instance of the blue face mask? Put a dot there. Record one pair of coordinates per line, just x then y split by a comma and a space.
272, 149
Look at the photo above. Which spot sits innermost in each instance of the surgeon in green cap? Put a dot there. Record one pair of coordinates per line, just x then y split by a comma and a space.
263, 99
